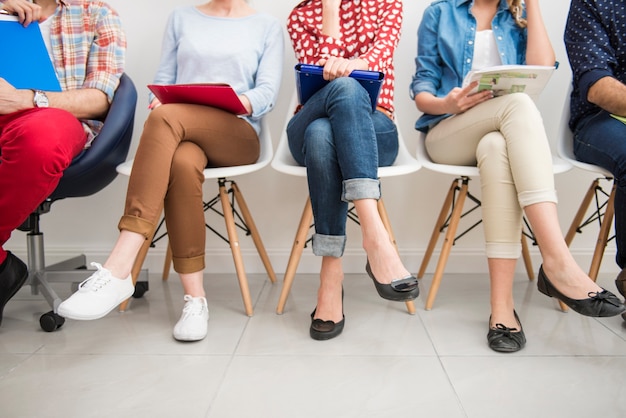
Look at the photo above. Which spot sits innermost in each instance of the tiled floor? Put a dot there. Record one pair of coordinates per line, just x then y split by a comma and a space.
386, 363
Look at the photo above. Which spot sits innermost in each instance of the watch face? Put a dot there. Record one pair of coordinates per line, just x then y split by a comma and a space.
40, 99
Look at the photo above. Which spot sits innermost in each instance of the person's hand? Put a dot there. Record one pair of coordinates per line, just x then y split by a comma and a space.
460, 100
26, 11
154, 104
12, 100
335, 67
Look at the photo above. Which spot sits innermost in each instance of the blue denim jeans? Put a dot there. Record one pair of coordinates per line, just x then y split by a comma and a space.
342, 143
601, 140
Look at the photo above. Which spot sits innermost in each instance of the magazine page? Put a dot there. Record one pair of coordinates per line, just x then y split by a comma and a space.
506, 79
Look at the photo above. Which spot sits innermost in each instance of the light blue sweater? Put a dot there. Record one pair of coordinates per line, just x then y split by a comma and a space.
246, 53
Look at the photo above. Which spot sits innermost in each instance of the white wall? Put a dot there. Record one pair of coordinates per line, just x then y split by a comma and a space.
89, 224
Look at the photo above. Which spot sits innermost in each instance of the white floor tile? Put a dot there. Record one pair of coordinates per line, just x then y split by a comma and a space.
386, 363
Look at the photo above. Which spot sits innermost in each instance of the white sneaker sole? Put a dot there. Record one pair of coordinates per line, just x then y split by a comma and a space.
79, 317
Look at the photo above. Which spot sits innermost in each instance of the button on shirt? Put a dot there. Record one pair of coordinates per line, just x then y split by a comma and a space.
595, 40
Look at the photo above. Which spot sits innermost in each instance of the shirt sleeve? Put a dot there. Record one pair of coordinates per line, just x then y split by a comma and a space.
107, 53
269, 73
588, 46
380, 55
428, 69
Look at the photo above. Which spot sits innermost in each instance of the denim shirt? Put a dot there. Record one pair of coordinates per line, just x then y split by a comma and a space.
445, 48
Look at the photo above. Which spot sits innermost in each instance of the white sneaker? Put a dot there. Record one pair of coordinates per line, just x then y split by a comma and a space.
97, 296
193, 323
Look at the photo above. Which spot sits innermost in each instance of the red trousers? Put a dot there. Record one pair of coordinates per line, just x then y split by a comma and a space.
36, 145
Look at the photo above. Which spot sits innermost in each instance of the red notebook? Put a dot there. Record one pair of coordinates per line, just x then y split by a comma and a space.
211, 94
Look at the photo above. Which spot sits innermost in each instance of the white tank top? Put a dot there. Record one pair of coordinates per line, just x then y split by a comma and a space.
485, 50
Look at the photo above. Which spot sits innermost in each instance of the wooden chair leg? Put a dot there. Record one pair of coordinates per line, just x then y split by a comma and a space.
296, 254
229, 220
528, 263
410, 306
443, 214
167, 263
254, 232
603, 235
580, 214
447, 245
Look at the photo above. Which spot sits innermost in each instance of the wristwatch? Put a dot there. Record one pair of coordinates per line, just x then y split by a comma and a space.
40, 99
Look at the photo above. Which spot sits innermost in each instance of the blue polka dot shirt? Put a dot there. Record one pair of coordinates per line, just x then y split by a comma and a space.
595, 40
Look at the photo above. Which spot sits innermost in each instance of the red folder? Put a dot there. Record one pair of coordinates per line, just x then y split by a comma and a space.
217, 95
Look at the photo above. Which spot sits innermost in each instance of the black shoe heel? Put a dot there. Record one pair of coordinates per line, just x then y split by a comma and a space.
602, 304
399, 290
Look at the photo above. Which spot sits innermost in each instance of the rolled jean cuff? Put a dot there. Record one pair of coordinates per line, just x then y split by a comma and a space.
137, 225
538, 196
511, 250
356, 189
329, 245
188, 265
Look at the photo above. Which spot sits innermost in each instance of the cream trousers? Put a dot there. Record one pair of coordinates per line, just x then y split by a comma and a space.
506, 138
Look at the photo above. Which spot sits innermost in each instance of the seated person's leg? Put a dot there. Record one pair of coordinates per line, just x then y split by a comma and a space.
34, 152
608, 150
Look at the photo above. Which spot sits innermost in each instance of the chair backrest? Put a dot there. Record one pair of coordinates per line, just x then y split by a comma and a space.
285, 163
95, 167
565, 141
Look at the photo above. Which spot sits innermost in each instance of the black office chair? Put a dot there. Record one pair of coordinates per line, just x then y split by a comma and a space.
89, 173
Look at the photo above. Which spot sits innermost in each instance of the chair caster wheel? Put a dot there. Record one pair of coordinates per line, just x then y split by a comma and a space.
140, 289
51, 321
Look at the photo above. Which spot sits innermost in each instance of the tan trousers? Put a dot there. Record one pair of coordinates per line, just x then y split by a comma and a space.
506, 138
177, 143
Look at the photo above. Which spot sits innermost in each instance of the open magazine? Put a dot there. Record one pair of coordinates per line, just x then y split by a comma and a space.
506, 79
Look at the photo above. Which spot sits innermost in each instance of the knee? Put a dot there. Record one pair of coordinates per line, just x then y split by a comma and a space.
522, 104
348, 88
188, 163
47, 147
491, 145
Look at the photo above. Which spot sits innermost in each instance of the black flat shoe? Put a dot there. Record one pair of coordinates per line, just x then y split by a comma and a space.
325, 330
602, 304
398, 290
12, 277
504, 339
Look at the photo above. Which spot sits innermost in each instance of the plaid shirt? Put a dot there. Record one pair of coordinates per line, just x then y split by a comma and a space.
88, 48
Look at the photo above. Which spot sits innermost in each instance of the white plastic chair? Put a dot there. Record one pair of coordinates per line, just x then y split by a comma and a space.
604, 210
452, 211
285, 163
229, 211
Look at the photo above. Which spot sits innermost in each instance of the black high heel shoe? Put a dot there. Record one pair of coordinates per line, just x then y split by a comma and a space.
504, 339
325, 330
398, 290
598, 304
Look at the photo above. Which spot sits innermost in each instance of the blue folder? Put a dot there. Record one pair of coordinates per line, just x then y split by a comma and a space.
309, 79
25, 62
